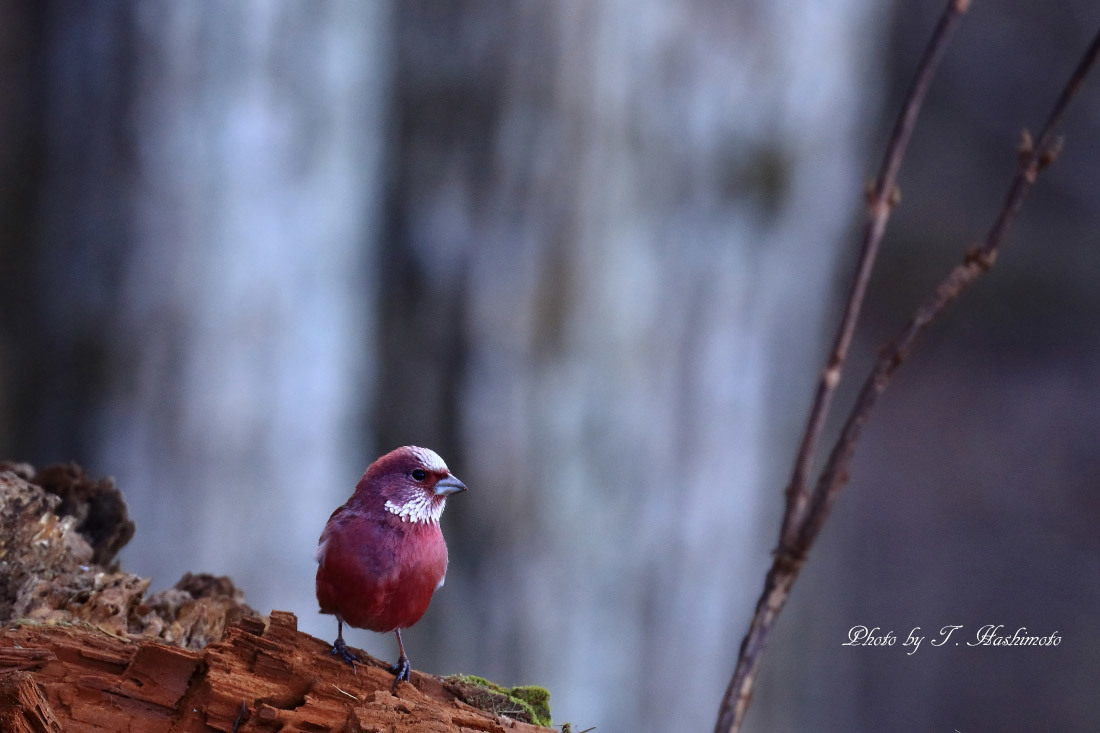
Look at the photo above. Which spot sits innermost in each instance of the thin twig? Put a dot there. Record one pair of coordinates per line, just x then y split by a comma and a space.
240, 716
1033, 159
882, 196
881, 199
797, 538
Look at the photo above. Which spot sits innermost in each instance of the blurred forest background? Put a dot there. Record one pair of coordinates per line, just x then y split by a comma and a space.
590, 252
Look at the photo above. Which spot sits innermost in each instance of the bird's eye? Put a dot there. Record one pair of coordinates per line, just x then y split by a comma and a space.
419, 474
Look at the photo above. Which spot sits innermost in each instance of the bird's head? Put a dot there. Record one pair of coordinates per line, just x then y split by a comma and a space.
413, 482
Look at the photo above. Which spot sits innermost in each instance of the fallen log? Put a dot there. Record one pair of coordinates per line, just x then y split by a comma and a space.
84, 649
260, 677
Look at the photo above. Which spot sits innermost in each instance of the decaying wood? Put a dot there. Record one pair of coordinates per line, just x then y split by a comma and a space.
84, 649
59, 532
258, 678
23, 705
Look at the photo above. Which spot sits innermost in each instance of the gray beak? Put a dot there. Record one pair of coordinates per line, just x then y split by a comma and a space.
448, 486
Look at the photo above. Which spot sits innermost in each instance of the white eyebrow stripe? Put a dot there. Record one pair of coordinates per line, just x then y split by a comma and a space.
429, 459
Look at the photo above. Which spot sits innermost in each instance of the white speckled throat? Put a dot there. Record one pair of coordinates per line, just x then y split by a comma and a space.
418, 508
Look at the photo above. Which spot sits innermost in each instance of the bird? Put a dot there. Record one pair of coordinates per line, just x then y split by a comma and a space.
382, 555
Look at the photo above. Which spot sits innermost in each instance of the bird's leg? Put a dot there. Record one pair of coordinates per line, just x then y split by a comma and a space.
401, 669
340, 649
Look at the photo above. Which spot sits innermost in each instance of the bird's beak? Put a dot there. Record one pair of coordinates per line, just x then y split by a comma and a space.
448, 486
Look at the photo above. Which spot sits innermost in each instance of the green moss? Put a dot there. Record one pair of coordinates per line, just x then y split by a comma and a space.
538, 699
471, 679
526, 702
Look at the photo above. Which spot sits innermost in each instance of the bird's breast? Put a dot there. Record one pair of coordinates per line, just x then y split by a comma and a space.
379, 575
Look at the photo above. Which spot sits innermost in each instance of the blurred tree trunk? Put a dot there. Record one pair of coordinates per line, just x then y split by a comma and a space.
200, 258
604, 258
609, 240
615, 229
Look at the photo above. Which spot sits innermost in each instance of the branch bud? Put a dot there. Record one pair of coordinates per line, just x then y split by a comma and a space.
1051, 152
1026, 148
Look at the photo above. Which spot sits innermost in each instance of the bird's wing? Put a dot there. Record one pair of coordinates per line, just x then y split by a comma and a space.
319, 553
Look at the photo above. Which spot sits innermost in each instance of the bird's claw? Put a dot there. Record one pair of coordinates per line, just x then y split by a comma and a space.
340, 649
400, 671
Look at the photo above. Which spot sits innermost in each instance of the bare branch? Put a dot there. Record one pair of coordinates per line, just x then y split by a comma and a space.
882, 196
805, 515
1033, 159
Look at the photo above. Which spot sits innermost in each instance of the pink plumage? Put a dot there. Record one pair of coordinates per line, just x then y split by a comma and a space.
382, 555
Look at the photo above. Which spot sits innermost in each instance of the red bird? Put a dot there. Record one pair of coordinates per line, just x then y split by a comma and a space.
382, 554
